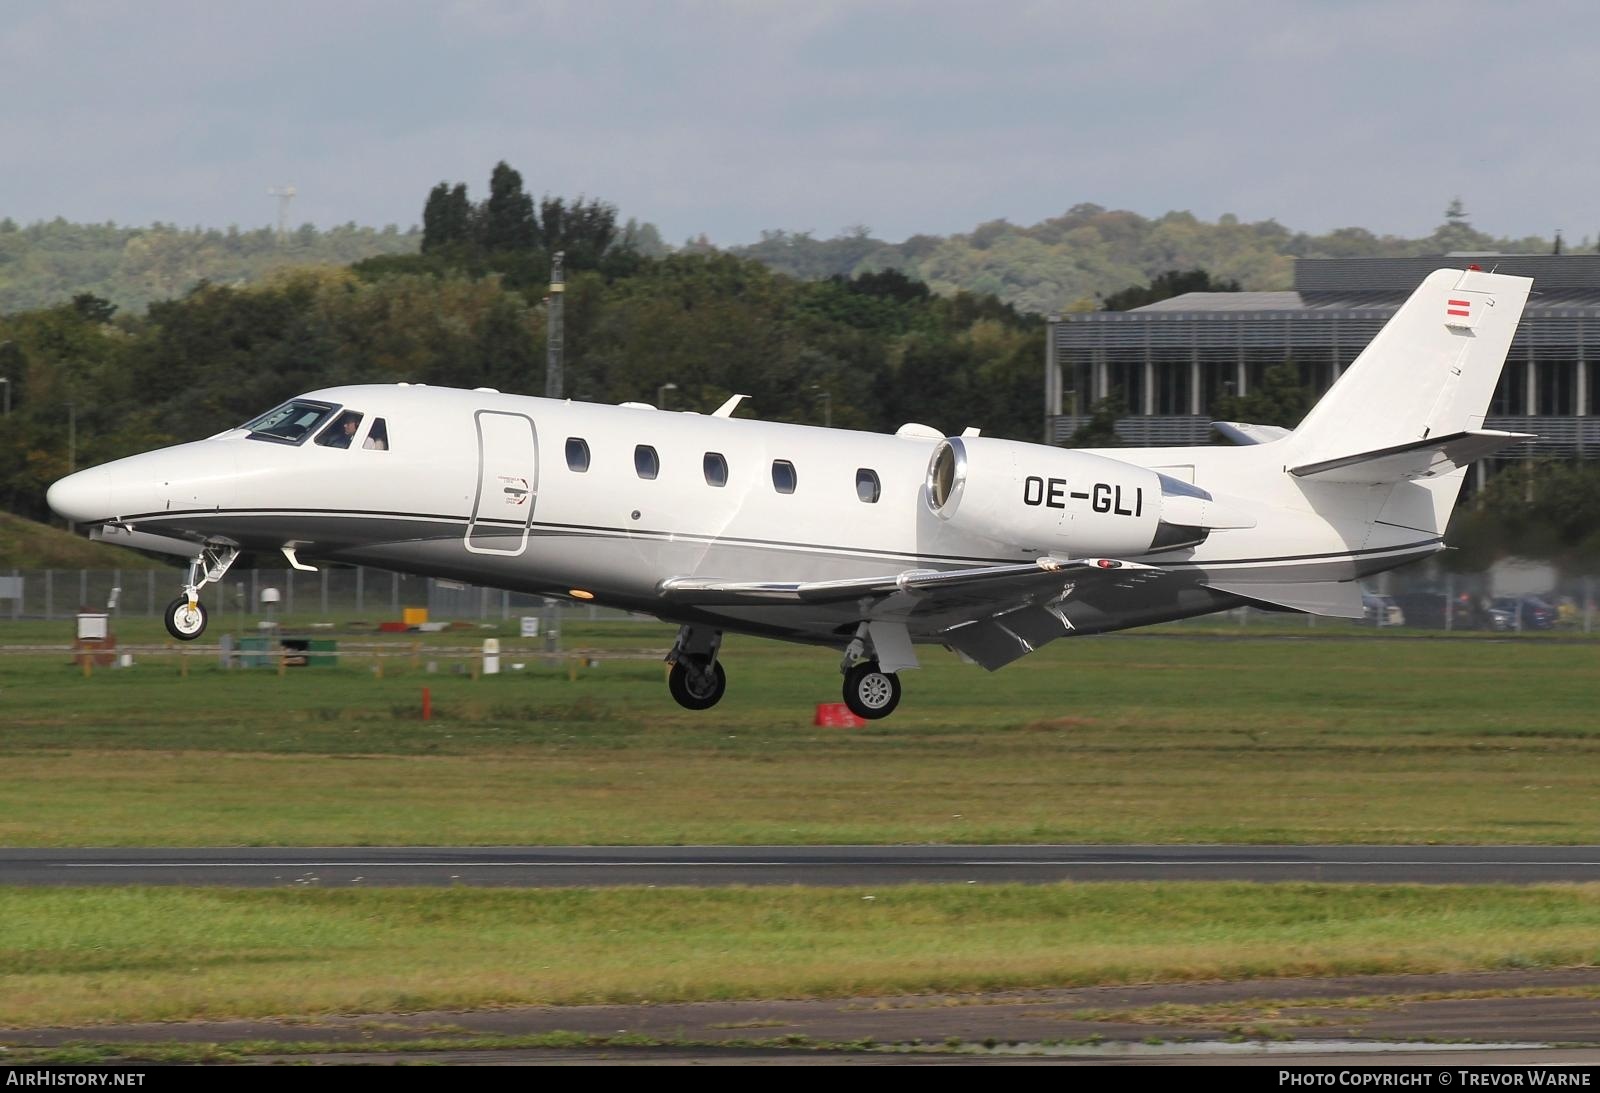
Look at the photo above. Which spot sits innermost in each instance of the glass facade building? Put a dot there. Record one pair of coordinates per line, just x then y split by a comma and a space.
1171, 361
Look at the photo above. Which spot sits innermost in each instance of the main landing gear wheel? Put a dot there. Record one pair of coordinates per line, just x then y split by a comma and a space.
694, 687
870, 692
185, 621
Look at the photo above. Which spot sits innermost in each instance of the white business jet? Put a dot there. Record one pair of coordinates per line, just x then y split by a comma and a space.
870, 543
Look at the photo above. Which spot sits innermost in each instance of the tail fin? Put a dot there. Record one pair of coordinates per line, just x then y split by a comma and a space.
1428, 375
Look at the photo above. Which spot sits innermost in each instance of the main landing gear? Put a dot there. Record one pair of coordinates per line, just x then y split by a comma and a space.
870, 690
186, 616
871, 665
696, 680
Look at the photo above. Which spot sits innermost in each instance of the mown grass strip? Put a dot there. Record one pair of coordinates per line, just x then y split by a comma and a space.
72, 956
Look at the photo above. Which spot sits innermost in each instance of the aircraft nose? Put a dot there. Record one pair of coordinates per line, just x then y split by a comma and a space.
84, 497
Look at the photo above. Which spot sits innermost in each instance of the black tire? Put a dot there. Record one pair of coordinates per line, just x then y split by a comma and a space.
181, 623
870, 692
695, 689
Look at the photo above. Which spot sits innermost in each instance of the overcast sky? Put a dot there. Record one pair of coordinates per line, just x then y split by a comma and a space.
729, 118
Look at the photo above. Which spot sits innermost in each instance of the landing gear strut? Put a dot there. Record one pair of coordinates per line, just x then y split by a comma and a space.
186, 616
697, 680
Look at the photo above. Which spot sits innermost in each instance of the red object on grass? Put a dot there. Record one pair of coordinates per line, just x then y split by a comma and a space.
427, 705
836, 715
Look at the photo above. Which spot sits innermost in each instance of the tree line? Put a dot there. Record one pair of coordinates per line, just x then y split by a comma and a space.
870, 351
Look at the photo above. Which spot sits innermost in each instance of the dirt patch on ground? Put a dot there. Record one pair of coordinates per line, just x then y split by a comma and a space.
1534, 1007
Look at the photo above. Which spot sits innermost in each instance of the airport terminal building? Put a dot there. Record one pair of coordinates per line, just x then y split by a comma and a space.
1171, 361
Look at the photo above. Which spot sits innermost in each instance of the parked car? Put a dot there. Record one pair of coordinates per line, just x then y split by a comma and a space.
1381, 610
1535, 613
1429, 610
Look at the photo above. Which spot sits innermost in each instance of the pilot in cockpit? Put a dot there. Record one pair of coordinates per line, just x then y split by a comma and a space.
342, 432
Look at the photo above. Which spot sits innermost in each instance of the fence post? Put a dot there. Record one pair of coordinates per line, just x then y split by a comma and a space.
288, 591
361, 582
49, 595
324, 583
1588, 602
16, 604
83, 589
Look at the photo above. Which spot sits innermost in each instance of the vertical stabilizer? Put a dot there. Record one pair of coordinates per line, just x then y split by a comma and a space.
1429, 373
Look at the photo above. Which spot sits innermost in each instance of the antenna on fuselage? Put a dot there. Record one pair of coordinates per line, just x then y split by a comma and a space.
558, 288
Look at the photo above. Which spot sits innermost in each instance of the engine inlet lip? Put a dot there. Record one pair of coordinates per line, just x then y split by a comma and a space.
955, 451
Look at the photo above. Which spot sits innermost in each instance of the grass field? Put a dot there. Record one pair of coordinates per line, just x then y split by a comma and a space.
1122, 738
72, 956
1298, 737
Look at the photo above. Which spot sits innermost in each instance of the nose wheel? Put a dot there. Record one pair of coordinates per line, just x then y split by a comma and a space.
185, 619
696, 685
870, 692
696, 679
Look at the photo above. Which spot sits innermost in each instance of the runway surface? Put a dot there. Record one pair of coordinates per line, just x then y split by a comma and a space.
709, 866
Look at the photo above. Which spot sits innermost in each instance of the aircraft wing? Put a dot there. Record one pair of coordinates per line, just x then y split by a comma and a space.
990, 614
983, 583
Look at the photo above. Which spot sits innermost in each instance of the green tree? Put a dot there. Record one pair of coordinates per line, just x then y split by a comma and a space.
1165, 286
1100, 430
507, 220
446, 218
1281, 399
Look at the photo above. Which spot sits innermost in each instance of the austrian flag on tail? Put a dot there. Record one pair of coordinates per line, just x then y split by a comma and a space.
1462, 310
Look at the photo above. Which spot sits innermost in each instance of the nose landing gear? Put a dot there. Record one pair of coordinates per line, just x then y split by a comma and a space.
697, 680
186, 616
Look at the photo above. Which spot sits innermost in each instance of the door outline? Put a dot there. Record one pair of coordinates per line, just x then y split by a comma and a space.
531, 479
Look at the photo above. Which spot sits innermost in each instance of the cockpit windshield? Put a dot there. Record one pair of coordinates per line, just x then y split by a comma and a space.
290, 423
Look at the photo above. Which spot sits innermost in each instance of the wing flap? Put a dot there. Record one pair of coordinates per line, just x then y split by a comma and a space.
1419, 459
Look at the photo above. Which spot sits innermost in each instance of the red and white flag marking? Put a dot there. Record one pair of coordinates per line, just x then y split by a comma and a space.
1462, 308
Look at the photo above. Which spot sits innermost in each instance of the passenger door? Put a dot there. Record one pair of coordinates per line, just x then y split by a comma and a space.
508, 483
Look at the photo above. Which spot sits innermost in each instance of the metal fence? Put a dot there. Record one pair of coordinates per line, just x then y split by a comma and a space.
253, 594
1511, 597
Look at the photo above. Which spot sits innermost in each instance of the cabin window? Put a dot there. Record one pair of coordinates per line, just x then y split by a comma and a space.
646, 462
342, 433
716, 469
577, 454
783, 476
867, 486
378, 439
290, 423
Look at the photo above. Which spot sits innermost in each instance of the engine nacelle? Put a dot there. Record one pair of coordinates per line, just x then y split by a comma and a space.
1061, 501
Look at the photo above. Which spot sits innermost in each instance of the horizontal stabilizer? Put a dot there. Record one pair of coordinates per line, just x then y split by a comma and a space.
1243, 433
1340, 599
1419, 459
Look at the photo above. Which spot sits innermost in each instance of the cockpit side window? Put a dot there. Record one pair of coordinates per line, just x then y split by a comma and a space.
378, 439
342, 433
290, 423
